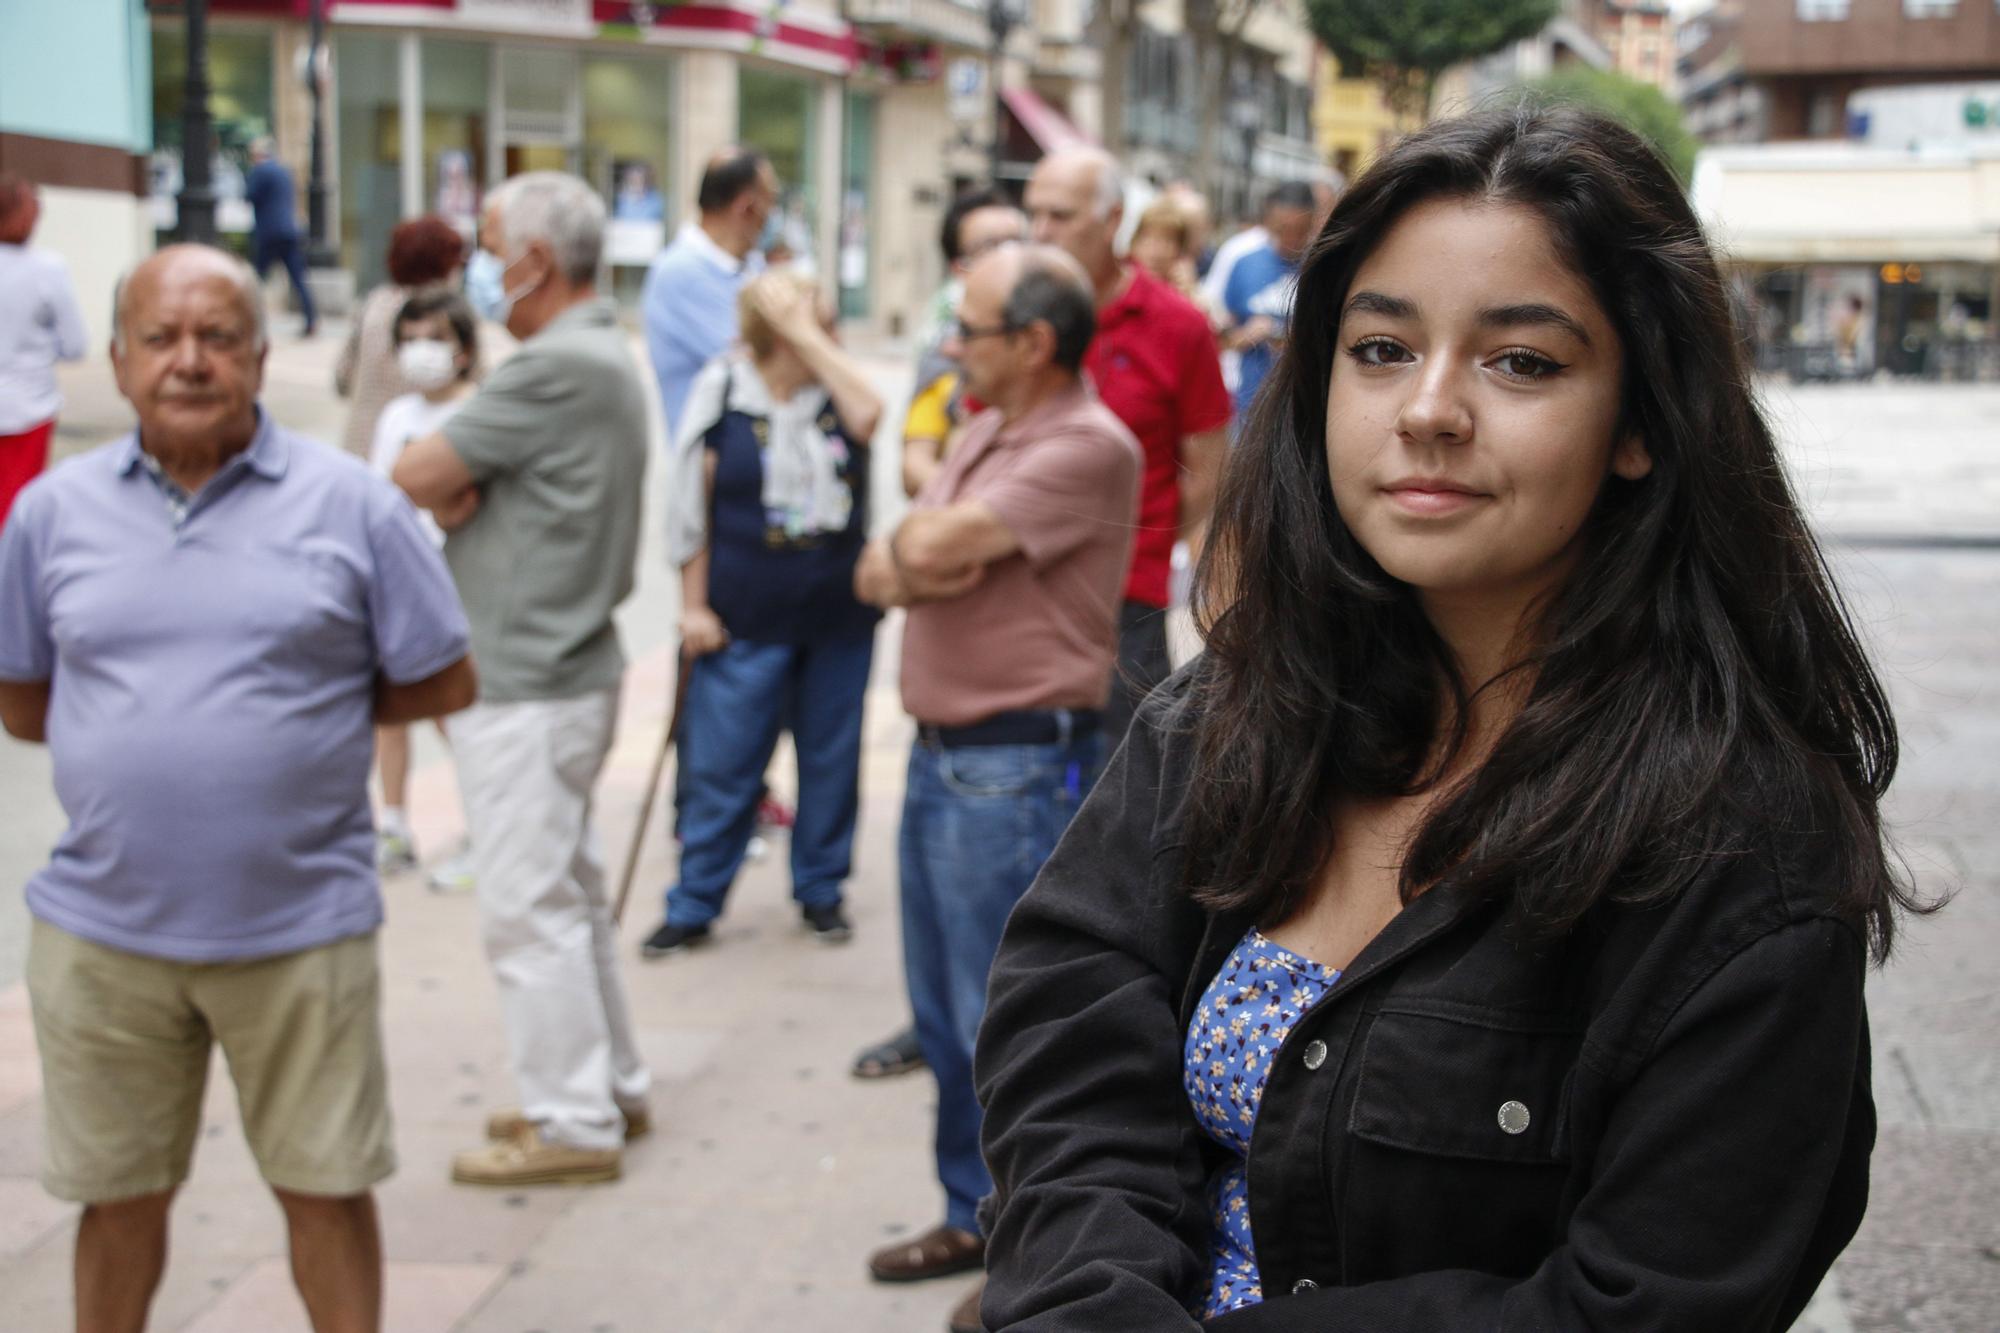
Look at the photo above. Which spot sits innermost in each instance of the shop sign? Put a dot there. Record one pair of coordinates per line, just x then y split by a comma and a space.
965, 82
572, 17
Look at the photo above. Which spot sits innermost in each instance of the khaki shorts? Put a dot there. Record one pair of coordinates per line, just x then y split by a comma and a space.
125, 1044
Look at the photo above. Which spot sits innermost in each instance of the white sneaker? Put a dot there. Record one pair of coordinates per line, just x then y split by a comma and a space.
454, 873
395, 853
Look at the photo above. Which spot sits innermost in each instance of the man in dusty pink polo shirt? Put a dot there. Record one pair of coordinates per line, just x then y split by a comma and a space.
1011, 564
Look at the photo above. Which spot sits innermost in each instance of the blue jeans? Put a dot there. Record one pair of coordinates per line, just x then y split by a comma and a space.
738, 700
978, 821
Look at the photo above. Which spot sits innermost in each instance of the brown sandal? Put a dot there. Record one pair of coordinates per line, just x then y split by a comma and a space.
939, 1252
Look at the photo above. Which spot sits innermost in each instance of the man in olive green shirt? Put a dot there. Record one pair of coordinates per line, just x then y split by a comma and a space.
537, 480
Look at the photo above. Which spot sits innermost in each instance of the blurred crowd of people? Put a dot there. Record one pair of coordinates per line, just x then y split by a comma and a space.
1072, 400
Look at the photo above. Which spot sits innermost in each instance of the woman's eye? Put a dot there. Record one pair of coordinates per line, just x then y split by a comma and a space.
1377, 352
1523, 365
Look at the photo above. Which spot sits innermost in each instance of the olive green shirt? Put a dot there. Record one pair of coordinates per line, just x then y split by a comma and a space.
556, 440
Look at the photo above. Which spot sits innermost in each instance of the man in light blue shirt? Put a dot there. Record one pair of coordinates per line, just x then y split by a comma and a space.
690, 297
204, 620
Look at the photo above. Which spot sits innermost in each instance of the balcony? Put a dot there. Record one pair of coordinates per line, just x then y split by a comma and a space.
949, 21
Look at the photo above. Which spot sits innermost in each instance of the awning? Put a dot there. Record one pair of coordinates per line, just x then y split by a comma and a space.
1049, 128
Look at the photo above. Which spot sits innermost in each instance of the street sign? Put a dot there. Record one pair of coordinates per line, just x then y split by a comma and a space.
965, 86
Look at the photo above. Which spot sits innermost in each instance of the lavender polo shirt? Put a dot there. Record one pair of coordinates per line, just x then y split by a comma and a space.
213, 666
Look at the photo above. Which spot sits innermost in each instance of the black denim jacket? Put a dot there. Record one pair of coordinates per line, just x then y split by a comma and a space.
1684, 1144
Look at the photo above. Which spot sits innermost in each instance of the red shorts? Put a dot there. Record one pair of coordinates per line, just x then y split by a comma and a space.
22, 458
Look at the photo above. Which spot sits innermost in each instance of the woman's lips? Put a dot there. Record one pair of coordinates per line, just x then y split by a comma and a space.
1432, 499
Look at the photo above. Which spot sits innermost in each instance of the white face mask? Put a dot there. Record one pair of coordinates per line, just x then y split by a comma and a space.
427, 363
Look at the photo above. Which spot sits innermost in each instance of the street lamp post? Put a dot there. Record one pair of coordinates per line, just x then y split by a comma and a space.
319, 254
197, 198
1002, 16
1248, 118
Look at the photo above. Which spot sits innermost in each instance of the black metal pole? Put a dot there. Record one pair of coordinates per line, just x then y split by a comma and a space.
318, 253
999, 21
197, 199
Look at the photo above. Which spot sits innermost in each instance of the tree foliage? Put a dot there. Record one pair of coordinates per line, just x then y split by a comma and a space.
1639, 107
1404, 45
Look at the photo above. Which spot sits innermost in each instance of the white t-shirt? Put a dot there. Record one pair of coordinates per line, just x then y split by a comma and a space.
410, 417
39, 326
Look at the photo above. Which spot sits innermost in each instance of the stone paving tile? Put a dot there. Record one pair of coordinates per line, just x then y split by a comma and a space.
29, 1216
416, 1298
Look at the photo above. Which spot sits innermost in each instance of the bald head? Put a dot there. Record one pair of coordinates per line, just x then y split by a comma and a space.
1040, 284
1076, 200
176, 267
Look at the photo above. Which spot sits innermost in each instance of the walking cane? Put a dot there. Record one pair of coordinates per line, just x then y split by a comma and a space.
667, 739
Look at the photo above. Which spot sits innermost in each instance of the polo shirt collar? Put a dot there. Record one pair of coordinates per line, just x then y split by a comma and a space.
1062, 402
594, 313
1138, 294
268, 454
704, 245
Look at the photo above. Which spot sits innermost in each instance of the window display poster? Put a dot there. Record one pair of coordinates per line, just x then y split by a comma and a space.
637, 230
457, 200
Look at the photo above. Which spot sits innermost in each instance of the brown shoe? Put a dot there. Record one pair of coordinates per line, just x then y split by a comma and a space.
939, 1252
527, 1159
965, 1315
504, 1125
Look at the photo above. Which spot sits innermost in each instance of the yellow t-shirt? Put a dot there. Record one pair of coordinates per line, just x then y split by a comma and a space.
929, 417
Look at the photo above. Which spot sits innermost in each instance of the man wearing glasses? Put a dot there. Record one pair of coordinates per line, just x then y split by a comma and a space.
1010, 563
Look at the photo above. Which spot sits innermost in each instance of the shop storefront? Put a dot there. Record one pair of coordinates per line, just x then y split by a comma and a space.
434, 101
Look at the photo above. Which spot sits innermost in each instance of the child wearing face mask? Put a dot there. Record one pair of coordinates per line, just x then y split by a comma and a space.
437, 350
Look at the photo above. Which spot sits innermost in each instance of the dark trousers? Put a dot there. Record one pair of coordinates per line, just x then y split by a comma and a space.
1143, 662
290, 252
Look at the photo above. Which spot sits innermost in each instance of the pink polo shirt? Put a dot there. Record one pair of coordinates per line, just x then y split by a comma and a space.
1041, 629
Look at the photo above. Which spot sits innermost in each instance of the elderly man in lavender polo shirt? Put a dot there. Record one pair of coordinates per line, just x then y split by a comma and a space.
1011, 564
204, 620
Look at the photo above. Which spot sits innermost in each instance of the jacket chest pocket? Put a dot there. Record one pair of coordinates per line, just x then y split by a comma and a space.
1457, 1155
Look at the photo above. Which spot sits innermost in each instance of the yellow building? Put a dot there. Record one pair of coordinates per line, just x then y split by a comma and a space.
1351, 121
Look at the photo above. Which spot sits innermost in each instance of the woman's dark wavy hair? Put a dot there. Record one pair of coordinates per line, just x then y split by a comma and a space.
1697, 678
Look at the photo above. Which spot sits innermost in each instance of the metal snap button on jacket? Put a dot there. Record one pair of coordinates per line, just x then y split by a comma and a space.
1315, 1054
1513, 1118
1304, 1284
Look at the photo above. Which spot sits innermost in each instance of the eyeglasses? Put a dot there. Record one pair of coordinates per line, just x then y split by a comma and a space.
966, 333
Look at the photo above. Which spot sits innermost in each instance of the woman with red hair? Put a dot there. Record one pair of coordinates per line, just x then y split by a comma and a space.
39, 326
423, 252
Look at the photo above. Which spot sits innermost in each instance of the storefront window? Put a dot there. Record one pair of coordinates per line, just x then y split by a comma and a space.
370, 136
627, 145
857, 180
239, 73
538, 105
775, 114
456, 107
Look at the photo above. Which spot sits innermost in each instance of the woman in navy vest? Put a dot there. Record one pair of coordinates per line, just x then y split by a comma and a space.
769, 478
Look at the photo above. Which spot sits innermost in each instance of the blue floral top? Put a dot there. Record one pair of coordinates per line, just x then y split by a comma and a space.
1245, 1014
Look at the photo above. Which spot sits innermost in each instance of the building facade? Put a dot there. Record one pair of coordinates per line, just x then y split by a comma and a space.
1639, 35
1720, 103
1264, 129
1352, 121
1570, 38
1809, 56
76, 119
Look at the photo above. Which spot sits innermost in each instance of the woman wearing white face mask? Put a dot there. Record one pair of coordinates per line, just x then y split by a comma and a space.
422, 252
436, 341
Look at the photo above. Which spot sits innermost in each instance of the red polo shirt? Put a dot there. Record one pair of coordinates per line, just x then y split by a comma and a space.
1155, 365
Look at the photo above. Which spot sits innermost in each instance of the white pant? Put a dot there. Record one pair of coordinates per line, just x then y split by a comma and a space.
527, 770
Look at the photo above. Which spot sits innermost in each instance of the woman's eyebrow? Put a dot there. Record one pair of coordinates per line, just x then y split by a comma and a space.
1376, 303
1532, 312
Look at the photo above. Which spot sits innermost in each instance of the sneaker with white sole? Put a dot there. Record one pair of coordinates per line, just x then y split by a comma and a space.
453, 874
395, 852
529, 1159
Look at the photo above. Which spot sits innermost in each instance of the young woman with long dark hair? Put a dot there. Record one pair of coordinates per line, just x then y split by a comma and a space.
1473, 936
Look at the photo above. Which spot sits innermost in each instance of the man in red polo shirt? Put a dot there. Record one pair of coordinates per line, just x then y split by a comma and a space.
1155, 365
